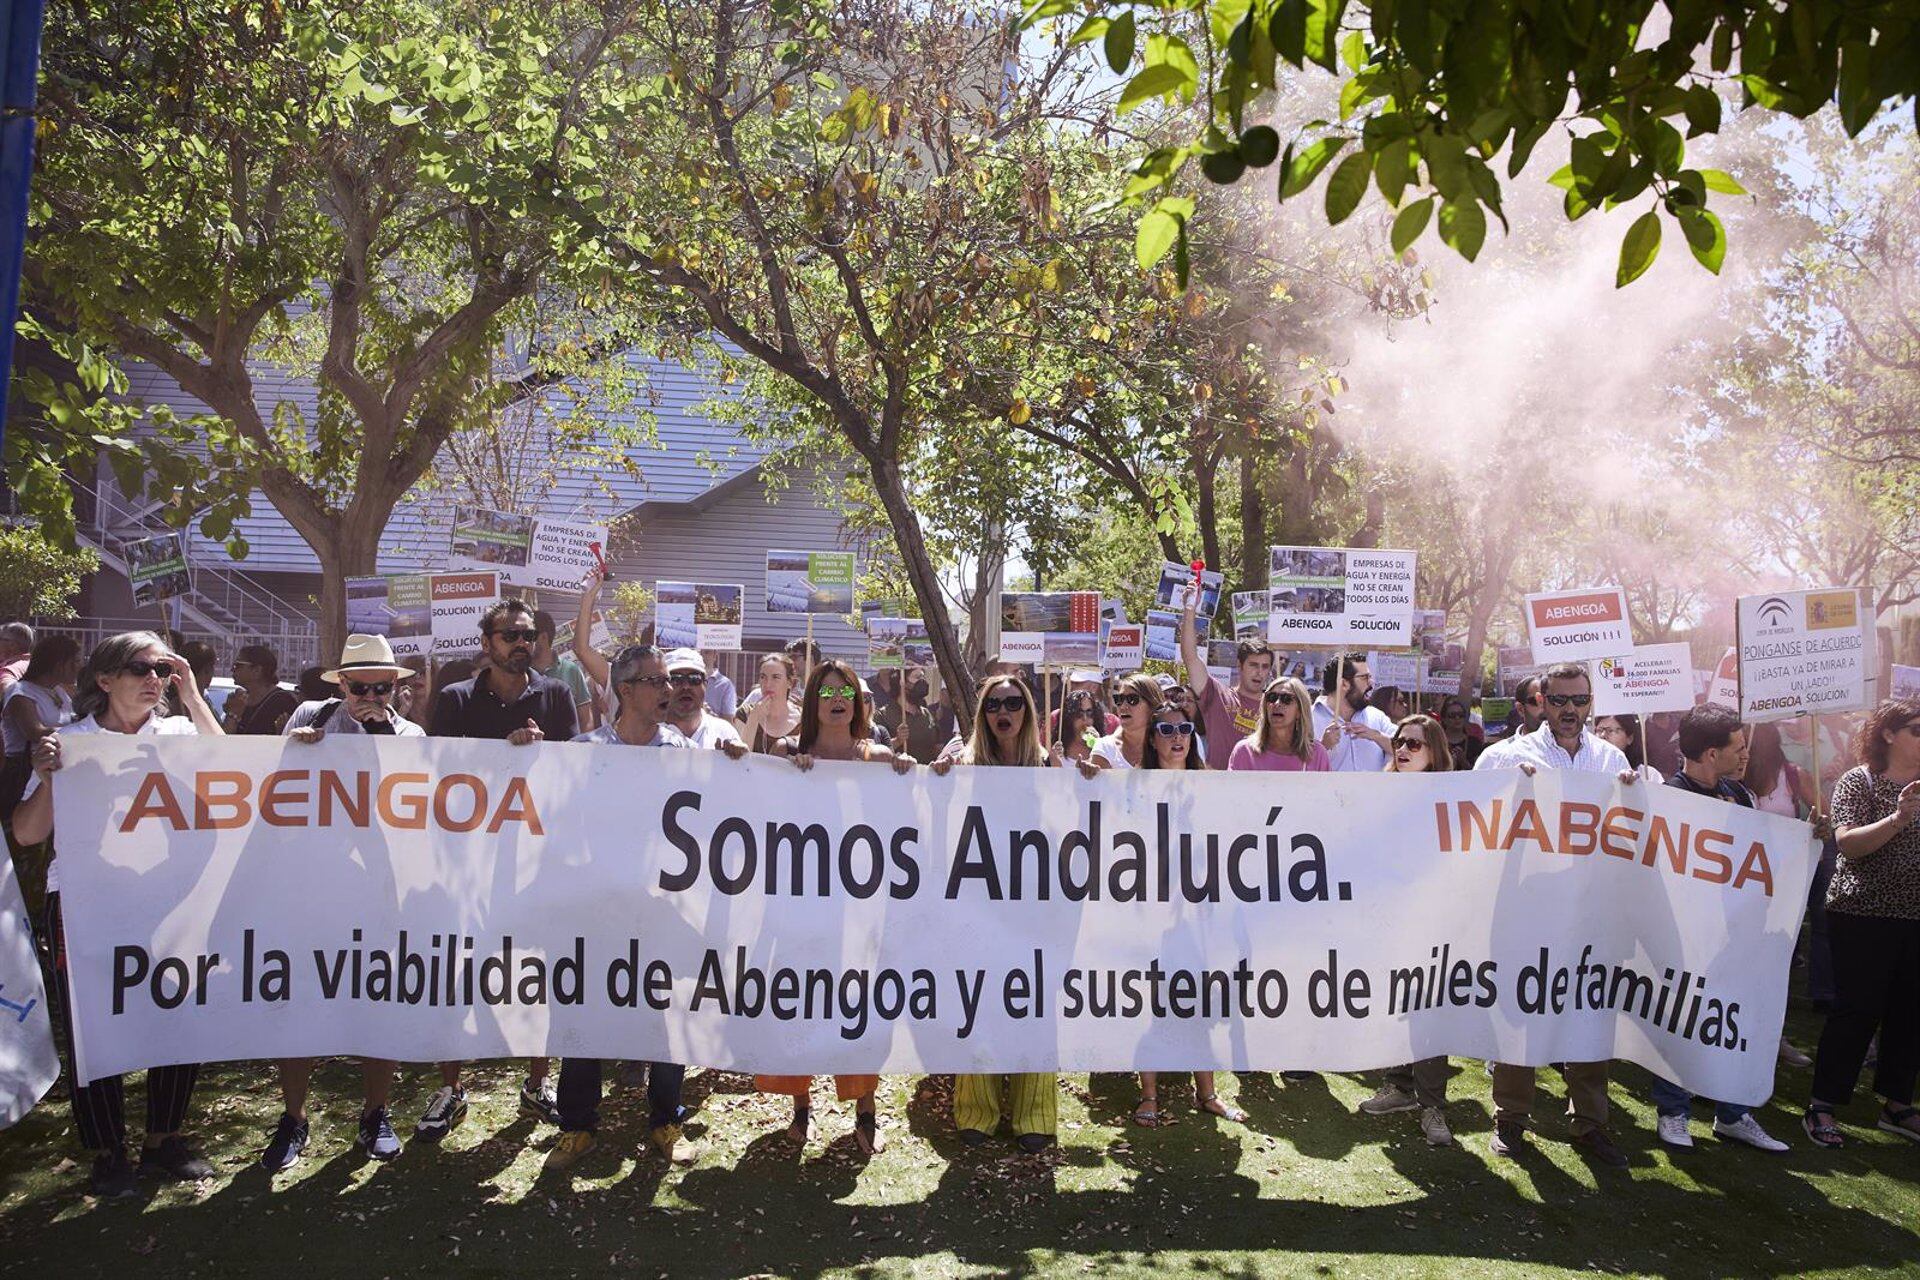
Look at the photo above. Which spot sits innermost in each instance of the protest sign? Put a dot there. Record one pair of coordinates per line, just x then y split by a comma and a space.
1176, 584
1905, 684
458, 600
1654, 677
893, 643
1723, 683
1512, 664
697, 615
526, 551
1495, 712
443, 899
157, 568
1061, 627
1125, 647
1163, 636
1401, 670
1573, 626
1223, 659
1249, 615
399, 607
810, 582
1340, 595
1803, 652
28, 1062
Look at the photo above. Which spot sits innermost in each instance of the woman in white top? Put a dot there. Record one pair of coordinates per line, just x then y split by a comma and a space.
122, 690
1135, 698
36, 704
771, 711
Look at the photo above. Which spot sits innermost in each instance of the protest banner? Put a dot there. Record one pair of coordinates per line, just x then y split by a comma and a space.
1723, 683
698, 615
1125, 647
29, 1063
1905, 684
157, 568
1176, 584
1574, 626
399, 607
440, 899
1803, 652
1654, 677
526, 551
1340, 595
1495, 713
1249, 615
810, 582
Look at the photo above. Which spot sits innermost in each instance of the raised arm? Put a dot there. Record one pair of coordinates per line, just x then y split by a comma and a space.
1190, 642
592, 661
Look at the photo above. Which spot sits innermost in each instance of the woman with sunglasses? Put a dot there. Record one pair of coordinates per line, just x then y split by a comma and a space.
836, 723
122, 690
1873, 928
1419, 746
1135, 699
1625, 733
1283, 741
1006, 732
1172, 743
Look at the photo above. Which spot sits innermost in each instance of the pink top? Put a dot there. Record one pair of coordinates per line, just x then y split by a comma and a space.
1247, 756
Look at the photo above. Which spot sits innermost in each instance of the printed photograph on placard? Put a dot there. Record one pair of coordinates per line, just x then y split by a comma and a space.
1022, 611
810, 582
1306, 600
157, 568
1306, 566
916, 649
1250, 615
674, 607
1163, 635
1176, 584
487, 537
886, 643
1071, 648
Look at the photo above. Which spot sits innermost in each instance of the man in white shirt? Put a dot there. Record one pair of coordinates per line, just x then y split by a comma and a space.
1357, 736
1561, 742
687, 712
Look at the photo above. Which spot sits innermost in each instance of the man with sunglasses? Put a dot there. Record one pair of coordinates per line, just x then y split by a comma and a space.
687, 708
367, 677
510, 701
1561, 742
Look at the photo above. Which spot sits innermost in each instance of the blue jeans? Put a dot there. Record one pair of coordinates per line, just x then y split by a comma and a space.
1669, 1099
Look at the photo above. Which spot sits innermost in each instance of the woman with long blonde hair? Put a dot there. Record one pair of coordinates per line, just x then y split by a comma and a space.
1283, 741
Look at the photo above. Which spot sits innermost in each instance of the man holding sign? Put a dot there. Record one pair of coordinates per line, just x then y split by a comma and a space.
1231, 712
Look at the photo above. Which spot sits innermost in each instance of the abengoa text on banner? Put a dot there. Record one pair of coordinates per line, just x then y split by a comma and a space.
443, 899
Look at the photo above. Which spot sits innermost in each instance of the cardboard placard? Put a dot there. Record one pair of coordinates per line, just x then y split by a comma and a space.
525, 551
1576, 626
1803, 652
698, 615
157, 568
1340, 596
810, 582
1176, 584
1653, 678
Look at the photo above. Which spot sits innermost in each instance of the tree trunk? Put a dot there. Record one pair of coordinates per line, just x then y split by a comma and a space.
1207, 508
1498, 562
1254, 560
925, 578
351, 551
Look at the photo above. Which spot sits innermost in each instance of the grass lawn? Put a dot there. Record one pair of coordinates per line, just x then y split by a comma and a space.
1306, 1188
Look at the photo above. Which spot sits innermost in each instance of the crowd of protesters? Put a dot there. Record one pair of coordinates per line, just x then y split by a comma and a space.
1863, 953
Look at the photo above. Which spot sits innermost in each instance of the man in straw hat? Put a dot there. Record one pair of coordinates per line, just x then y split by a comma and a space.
367, 676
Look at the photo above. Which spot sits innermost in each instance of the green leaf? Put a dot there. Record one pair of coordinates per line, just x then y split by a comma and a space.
1119, 43
1348, 184
1409, 223
1638, 250
1393, 169
1306, 165
1464, 226
1160, 227
1702, 110
1721, 181
1705, 236
1353, 51
1092, 29
1152, 82
1562, 178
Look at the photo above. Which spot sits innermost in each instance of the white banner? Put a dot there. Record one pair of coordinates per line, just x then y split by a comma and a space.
28, 1063
1573, 626
1340, 595
1803, 652
1654, 677
434, 899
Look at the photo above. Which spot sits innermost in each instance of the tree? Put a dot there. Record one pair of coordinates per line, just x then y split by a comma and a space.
1434, 94
38, 577
357, 194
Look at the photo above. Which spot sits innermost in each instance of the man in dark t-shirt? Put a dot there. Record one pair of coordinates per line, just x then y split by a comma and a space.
262, 706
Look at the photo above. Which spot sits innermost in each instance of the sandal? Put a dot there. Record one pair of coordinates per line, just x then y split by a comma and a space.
866, 1132
1147, 1114
1901, 1120
1214, 1104
802, 1127
1821, 1129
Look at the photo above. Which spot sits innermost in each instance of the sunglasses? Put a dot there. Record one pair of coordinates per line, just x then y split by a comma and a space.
656, 680
688, 677
1127, 699
1562, 699
140, 670
839, 691
1170, 729
1012, 702
1284, 697
1409, 744
517, 635
379, 689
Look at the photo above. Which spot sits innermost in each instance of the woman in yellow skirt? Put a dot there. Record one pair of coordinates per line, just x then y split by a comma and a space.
835, 724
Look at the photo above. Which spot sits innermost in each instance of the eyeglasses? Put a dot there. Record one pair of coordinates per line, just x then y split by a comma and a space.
379, 689
1012, 702
1283, 697
1170, 729
688, 677
140, 670
516, 635
839, 691
1409, 744
656, 680
1127, 699
1562, 699
1611, 729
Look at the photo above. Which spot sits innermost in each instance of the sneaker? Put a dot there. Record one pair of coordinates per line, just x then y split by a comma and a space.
1792, 1055
1433, 1123
377, 1136
1600, 1148
1509, 1138
1390, 1099
173, 1158
668, 1140
113, 1177
445, 1110
570, 1148
1673, 1131
540, 1102
1746, 1129
284, 1147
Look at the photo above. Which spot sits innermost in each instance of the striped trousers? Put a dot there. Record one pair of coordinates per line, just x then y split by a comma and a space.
1031, 1099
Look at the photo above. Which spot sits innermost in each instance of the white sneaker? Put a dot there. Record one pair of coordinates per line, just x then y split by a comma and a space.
1433, 1123
1389, 1100
1673, 1131
1746, 1129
